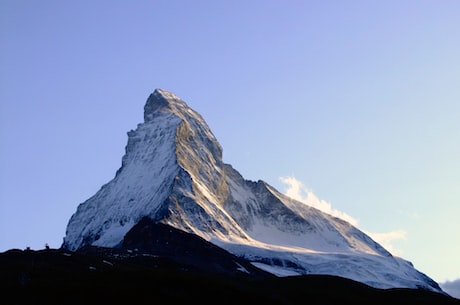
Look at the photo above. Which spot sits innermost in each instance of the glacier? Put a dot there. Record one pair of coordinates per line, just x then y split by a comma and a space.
173, 173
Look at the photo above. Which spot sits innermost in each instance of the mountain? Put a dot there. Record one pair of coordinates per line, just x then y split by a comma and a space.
173, 174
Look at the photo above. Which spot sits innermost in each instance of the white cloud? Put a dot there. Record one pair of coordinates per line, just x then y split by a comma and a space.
297, 190
452, 288
387, 238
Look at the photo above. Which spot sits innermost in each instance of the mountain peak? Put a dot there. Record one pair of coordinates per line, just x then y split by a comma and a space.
166, 94
164, 100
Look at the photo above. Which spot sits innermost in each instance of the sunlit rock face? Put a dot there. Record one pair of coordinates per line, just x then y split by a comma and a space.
173, 173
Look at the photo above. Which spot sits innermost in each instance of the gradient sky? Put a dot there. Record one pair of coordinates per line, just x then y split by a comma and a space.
356, 102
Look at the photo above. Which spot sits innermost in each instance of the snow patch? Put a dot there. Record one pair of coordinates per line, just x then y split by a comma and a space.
275, 270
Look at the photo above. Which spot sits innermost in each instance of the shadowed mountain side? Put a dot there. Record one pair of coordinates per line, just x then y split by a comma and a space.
185, 249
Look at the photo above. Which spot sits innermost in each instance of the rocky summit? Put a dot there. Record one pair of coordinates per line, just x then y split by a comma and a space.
172, 174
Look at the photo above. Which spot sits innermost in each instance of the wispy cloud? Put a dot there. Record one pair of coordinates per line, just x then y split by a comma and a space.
386, 239
297, 190
452, 288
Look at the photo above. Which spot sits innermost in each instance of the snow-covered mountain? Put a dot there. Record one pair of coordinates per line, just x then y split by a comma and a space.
173, 173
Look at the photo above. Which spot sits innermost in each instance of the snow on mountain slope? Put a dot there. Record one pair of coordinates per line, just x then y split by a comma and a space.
173, 173
288, 237
140, 185
290, 222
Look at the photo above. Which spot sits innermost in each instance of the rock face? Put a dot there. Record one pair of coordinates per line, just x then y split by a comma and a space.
173, 173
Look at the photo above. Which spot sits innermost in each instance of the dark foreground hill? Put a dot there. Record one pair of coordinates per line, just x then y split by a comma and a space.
105, 276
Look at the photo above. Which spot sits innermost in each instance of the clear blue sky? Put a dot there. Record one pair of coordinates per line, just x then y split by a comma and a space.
358, 101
